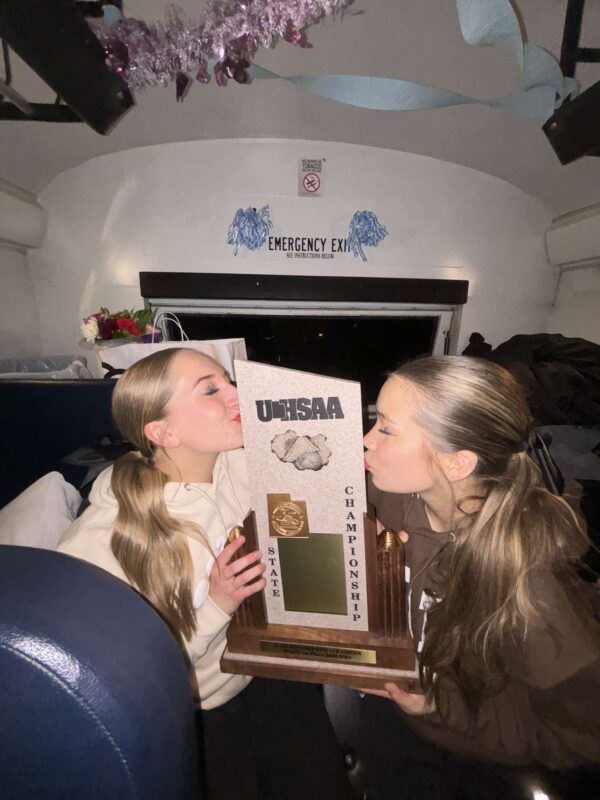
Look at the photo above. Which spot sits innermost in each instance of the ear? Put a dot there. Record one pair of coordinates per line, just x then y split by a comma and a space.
458, 465
159, 433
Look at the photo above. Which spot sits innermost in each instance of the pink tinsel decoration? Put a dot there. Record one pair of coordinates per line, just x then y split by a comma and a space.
229, 33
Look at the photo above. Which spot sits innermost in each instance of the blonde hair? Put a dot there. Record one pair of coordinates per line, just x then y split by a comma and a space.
517, 526
150, 544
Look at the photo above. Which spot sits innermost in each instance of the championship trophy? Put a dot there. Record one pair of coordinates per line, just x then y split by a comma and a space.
334, 606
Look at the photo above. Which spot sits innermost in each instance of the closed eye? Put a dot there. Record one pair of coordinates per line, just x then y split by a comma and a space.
213, 388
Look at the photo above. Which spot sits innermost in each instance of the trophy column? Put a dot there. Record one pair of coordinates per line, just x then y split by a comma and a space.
252, 612
391, 586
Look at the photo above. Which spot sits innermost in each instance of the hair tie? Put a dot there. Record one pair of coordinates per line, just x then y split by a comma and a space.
528, 442
146, 459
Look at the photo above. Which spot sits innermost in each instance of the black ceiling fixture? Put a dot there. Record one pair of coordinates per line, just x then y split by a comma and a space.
571, 54
57, 43
574, 128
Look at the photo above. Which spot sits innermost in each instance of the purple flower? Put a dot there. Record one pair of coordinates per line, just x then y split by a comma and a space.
106, 325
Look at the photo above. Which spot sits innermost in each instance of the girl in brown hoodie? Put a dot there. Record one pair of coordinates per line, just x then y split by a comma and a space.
507, 639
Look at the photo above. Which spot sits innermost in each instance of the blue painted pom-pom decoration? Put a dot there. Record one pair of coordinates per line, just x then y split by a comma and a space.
249, 228
365, 229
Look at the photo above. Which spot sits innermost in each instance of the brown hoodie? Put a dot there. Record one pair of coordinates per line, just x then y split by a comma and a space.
549, 711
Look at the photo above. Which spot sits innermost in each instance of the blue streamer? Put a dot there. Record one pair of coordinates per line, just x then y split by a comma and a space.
542, 87
491, 22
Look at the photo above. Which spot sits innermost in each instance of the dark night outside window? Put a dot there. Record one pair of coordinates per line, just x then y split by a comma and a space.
360, 348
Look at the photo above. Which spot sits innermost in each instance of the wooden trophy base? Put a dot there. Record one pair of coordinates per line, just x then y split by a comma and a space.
359, 659
313, 655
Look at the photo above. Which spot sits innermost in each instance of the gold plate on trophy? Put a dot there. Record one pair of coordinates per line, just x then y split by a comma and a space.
287, 517
312, 574
320, 652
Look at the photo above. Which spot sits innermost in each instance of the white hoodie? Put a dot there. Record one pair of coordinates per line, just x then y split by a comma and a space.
216, 507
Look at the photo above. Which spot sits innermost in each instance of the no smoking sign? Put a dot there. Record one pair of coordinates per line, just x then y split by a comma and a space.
310, 177
311, 182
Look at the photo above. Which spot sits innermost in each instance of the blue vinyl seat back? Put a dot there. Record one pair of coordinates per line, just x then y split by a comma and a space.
95, 698
44, 421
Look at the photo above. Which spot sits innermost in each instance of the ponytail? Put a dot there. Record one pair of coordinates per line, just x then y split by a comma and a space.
150, 544
484, 579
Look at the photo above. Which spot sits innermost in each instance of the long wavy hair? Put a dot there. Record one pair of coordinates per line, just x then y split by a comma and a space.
513, 527
149, 543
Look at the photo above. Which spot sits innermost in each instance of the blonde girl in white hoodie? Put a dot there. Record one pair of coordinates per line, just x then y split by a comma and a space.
159, 519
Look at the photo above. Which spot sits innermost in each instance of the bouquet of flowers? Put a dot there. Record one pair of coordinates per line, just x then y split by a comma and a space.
119, 325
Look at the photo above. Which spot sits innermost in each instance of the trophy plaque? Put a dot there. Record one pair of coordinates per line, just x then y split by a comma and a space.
334, 606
